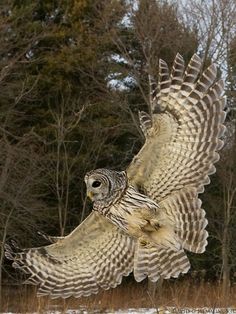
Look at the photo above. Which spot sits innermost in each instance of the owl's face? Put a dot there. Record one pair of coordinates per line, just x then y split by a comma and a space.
104, 184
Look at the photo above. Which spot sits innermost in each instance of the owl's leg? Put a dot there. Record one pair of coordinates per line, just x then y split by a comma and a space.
144, 241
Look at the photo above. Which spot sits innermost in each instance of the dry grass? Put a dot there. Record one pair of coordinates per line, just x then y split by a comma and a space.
178, 294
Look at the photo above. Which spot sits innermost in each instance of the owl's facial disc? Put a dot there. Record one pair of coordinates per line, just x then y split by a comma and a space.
97, 188
104, 185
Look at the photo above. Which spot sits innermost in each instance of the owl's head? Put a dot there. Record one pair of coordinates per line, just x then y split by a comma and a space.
105, 185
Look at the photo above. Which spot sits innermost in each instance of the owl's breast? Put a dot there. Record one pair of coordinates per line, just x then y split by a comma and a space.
132, 212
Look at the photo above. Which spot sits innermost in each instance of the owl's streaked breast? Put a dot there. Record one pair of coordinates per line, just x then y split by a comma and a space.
132, 209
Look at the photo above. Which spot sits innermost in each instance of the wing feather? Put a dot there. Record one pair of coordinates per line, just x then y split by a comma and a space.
157, 261
95, 255
182, 146
182, 143
145, 122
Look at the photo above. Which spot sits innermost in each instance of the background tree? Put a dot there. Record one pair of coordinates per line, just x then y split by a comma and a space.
55, 95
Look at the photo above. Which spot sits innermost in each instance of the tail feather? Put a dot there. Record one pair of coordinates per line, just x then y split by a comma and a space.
189, 219
156, 261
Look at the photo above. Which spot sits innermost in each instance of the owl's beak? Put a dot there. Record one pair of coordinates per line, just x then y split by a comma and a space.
90, 195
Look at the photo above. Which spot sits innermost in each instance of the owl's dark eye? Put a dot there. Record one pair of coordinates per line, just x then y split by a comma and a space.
96, 184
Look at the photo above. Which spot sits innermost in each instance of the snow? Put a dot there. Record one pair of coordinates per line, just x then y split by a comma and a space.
146, 311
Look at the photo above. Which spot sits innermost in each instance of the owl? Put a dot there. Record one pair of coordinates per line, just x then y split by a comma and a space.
144, 219
135, 213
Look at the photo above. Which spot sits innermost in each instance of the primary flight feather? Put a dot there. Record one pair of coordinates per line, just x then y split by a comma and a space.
143, 219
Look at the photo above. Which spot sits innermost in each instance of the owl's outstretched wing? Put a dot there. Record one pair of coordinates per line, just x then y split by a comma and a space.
95, 255
182, 136
182, 139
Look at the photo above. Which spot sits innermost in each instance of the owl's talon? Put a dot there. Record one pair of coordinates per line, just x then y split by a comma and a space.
143, 242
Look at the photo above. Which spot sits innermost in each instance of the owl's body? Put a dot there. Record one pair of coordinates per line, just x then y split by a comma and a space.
135, 213
145, 218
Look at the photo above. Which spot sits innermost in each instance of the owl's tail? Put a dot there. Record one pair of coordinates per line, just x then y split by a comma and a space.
155, 262
184, 209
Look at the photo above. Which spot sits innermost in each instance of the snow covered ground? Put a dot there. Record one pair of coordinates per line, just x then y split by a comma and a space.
147, 311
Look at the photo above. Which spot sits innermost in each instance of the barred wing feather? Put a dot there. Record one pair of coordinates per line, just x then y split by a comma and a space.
181, 144
95, 255
155, 262
183, 138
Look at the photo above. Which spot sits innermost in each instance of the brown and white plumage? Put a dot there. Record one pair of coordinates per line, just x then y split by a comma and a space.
159, 246
144, 232
95, 255
181, 146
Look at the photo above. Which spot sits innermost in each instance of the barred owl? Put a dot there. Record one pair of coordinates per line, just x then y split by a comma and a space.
135, 213
143, 219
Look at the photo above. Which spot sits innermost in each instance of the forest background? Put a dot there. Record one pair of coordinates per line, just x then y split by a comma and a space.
74, 75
